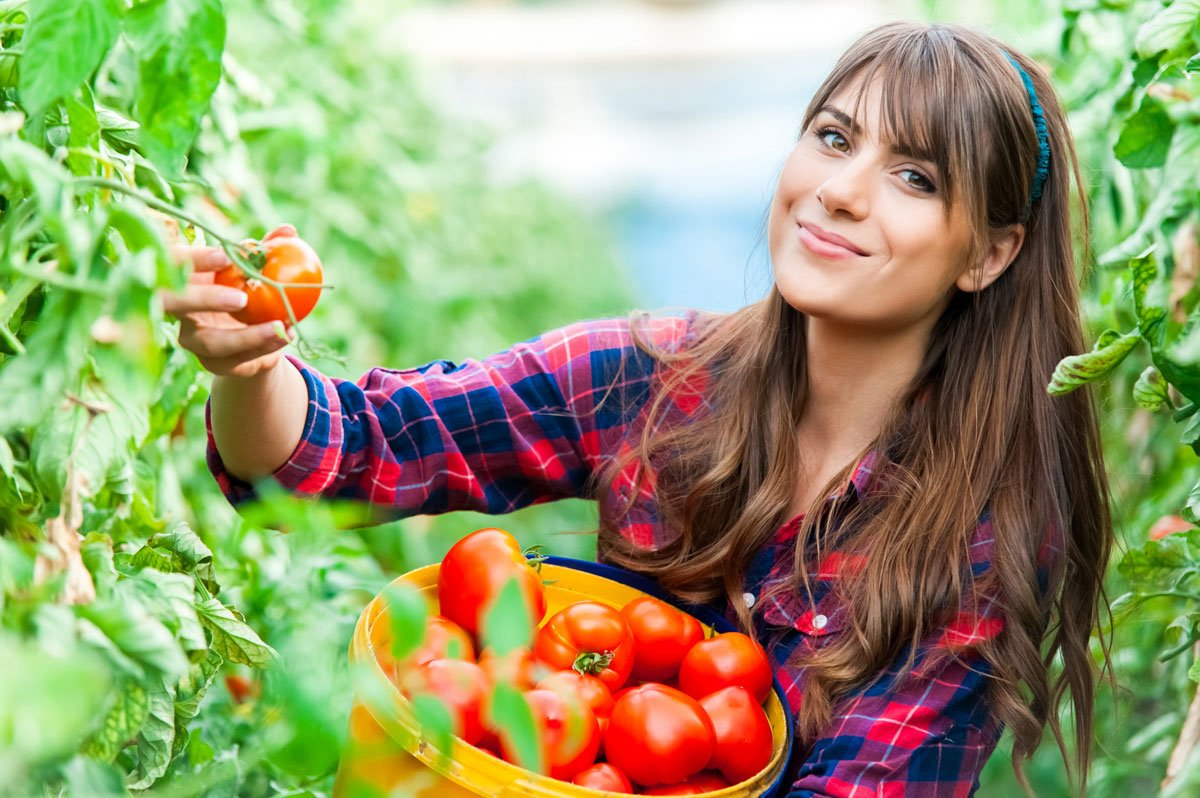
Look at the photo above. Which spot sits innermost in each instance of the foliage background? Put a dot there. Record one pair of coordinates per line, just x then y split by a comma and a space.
296, 111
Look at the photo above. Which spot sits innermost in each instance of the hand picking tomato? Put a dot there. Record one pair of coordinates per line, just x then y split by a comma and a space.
696, 785
658, 735
460, 685
517, 668
662, 636
589, 637
568, 731
743, 732
288, 260
726, 660
604, 777
474, 572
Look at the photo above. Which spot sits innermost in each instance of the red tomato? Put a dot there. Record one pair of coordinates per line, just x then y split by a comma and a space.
696, 785
1168, 525
590, 637
727, 660
658, 735
517, 668
604, 777
240, 688
589, 689
743, 733
288, 260
462, 686
444, 639
474, 572
568, 731
662, 636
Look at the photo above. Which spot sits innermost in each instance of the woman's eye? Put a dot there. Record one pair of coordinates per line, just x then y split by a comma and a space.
918, 181
833, 139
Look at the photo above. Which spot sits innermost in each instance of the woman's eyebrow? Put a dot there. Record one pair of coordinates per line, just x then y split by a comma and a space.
899, 148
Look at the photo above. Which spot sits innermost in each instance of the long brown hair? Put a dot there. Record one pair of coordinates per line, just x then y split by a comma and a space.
975, 433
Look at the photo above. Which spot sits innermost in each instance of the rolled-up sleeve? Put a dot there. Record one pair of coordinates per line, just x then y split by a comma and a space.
522, 426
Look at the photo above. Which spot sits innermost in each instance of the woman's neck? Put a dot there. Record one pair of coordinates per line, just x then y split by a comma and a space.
855, 378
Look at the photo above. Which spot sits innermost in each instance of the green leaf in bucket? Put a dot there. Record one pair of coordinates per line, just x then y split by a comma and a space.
437, 725
407, 610
513, 719
506, 622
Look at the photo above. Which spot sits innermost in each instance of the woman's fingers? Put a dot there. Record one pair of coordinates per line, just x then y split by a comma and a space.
217, 344
282, 231
204, 259
203, 297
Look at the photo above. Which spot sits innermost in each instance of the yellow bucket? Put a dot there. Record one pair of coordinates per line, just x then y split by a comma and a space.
386, 754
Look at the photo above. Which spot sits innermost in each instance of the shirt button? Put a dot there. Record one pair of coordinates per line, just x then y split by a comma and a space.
819, 622
748, 599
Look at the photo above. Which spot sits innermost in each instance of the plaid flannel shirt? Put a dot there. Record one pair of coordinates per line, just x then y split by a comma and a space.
527, 425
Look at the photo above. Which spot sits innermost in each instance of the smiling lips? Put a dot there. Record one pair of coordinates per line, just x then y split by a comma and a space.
826, 244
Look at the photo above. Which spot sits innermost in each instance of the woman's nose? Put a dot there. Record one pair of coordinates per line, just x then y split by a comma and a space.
847, 190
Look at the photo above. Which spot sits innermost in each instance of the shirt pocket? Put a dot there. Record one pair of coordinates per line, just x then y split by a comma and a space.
817, 622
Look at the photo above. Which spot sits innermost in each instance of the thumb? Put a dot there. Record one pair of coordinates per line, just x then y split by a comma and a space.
282, 231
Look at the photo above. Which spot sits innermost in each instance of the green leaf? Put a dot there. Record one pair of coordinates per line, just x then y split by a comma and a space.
85, 132
408, 611
179, 44
93, 442
1194, 671
232, 637
190, 692
1145, 137
171, 597
1193, 65
97, 553
87, 778
1168, 28
176, 390
1077, 370
136, 633
155, 739
179, 549
436, 722
121, 722
1150, 390
513, 717
63, 44
505, 625
1148, 299
48, 704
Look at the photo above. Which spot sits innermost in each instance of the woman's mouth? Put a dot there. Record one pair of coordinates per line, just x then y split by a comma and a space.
825, 244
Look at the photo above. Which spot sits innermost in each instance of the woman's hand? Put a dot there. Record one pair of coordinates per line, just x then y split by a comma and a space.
224, 345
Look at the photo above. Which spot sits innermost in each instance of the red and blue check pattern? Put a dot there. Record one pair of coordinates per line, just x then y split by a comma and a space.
528, 425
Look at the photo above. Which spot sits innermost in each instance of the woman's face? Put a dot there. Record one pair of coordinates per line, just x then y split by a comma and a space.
858, 230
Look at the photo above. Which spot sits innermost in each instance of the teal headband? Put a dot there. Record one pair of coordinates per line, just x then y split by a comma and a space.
1043, 137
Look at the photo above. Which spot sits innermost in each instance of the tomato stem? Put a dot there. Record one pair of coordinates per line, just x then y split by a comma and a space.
591, 663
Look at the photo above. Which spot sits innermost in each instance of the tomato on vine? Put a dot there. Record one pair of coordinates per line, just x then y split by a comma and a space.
290, 261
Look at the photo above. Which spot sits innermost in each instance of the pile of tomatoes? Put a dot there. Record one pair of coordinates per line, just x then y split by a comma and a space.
629, 699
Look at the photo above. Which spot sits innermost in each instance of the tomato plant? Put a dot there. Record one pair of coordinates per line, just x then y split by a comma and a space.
726, 660
590, 637
474, 572
658, 735
663, 635
290, 261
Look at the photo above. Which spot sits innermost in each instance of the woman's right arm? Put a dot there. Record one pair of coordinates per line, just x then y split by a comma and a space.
522, 426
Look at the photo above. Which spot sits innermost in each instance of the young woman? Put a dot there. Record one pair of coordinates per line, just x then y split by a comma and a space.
864, 467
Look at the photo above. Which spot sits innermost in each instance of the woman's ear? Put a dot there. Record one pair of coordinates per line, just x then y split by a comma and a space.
1000, 253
